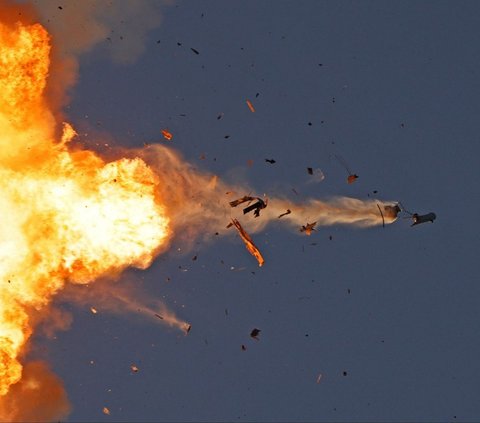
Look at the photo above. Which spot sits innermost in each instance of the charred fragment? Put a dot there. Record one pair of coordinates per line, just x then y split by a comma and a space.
284, 214
238, 201
423, 218
254, 333
271, 161
256, 207
251, 247
308, 228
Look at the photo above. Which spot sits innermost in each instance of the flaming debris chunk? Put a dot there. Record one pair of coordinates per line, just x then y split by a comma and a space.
167, 135
250, 106
251, 247
308, 228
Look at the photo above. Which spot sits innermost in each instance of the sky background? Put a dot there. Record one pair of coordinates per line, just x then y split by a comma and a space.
389, 317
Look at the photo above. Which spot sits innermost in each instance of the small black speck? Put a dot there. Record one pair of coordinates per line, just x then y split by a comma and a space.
320, 64
60, 7
309, 123
194, 50
158, 41
349, 291
226, 136
344, 373
179, 44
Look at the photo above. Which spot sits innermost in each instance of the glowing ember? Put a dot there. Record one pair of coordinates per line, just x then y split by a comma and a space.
167, 135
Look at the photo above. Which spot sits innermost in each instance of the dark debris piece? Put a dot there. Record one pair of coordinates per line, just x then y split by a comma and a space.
194, 50
284, 214
310, 170
257, 206
271, 161
254, 333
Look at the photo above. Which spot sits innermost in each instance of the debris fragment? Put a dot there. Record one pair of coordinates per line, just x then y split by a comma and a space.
93, 310
244, 199
352, 177
219, 116
251, 247
284, 214
319, 377
254, 333
250, 106
106, 411
244, 348
308, 228
422, 218
392, 211
271, 161
167, 135
194, 50
318, 175
383, 219
134, 368
159, 316
257, 206
187, 328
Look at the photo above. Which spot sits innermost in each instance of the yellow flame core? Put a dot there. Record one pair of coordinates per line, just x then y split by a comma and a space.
65, 216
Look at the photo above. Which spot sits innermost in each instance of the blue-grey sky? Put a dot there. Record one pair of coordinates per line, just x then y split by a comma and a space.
389, 317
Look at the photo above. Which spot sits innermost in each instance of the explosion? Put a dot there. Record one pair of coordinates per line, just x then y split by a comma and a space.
67, 216
70, 217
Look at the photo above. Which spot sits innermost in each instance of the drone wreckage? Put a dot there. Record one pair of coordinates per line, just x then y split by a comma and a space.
390, 211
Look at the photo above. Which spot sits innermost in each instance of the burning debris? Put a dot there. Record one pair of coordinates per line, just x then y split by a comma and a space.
251, 247
352, 177
167, 135
250, 106
308, 228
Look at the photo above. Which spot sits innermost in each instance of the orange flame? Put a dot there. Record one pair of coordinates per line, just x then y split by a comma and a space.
66, 216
